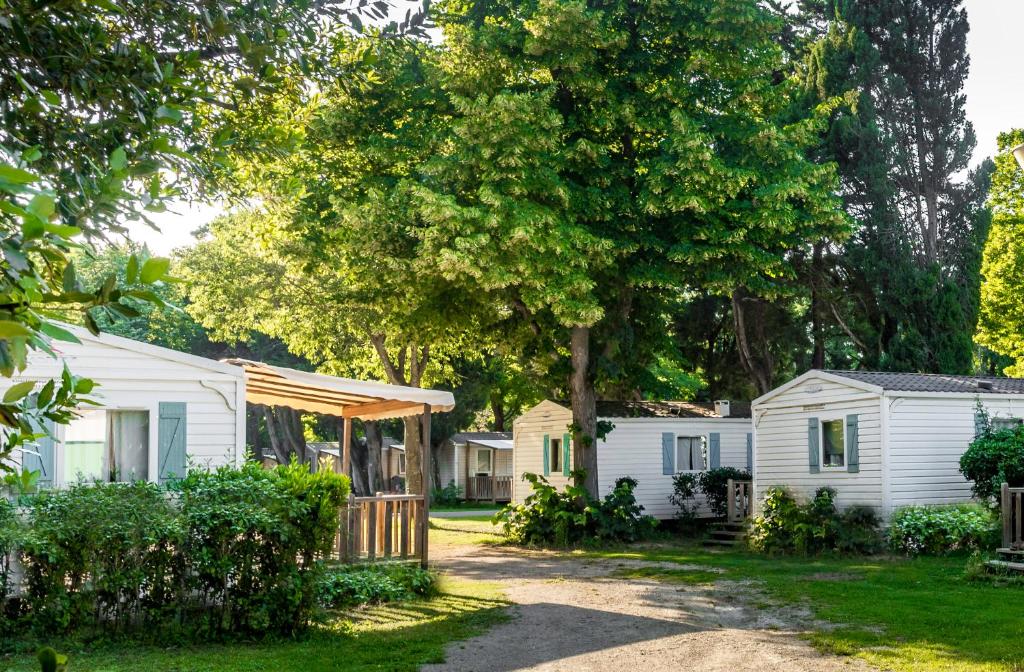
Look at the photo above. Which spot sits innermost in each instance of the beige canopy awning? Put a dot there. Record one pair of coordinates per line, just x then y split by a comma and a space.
331, 395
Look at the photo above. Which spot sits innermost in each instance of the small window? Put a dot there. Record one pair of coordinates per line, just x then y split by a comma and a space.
107, 446
1006, 423
401, 463
483, 462
833, 451
691, 453
555, 457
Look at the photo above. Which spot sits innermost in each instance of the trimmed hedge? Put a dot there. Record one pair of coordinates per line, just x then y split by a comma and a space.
233, 552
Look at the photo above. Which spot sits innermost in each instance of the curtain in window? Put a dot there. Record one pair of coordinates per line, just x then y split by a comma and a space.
697, 454
129, 445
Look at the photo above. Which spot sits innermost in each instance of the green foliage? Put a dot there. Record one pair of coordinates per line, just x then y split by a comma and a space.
787, 526
51, 661
941, 530
234, 552
449, 495
684, 489
355, 585
994, 458
10, 535
572, 516
713, 484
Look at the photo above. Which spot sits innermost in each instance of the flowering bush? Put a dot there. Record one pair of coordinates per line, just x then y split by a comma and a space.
940, 530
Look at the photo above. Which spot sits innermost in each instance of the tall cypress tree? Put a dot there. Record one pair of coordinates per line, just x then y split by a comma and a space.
907, 282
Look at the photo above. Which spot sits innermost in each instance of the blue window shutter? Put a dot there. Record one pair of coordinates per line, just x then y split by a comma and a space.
547, 455
750, 453
44, 461
813, 449
566, 454
852, 447
715, 449
668, 450
172, 432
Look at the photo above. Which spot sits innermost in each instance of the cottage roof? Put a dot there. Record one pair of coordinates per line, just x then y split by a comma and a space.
668, 409
935, 382
463, 437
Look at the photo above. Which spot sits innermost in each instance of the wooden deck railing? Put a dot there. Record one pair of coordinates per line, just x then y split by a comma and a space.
489, 488
383, 527
739, 500
1011, 505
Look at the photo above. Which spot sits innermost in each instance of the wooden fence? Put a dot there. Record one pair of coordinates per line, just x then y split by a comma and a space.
489, 488
383, 527
739, 500
1011, 504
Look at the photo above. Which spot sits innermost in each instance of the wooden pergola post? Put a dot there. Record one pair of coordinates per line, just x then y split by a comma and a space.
425, 469
346, 450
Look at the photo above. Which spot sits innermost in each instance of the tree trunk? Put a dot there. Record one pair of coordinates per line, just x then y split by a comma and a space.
413, 465
284, 427
498, 410
584, 407
817, 325
748, 315
374, 472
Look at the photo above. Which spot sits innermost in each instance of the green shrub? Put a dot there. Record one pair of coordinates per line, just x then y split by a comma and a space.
353, 585
683, 497
941, 530
994, 458
787, 526
572, 516
234, 552
713, 484
449, 495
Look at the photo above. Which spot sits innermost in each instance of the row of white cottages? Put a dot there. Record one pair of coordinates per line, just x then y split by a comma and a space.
882, 439
885, 440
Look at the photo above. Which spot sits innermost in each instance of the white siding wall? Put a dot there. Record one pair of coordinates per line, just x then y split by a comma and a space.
927, 436
528, 444
633, 449
780, 440
131, 380
445, 463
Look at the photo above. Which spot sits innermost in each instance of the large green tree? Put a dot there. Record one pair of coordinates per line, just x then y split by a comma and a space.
904, 288
110, 108
606, 156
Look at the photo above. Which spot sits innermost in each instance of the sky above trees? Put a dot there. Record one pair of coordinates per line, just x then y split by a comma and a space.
995, 103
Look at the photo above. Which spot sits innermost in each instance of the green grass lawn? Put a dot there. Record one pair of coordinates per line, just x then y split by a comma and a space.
898, 614
464, 530
467, 506
394, 638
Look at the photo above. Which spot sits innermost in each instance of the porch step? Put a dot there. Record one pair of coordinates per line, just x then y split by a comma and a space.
721, 542
1006, 566
1010, 553
726, 534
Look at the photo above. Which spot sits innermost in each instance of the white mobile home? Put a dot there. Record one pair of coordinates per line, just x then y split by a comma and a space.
160, 411
885, 440
479, 464
651, 442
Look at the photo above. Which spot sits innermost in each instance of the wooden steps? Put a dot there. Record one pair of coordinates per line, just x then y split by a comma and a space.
726, 534
1010, 561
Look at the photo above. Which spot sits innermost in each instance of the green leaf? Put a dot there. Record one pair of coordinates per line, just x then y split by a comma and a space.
18, 391
10, 329
118, 159
132, 270
31, 154
154, 269
42, 205
16, 175
63, 230
58, 333
165, 112
70, 279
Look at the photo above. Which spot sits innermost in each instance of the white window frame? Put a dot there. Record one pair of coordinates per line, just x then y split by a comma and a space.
841, 419
555, 453
705, 453
401, 463
153, 442
490, 466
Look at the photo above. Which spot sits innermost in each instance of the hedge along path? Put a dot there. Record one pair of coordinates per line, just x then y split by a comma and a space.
606, 615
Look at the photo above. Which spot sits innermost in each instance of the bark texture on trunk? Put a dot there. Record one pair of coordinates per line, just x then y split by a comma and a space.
755, 354
284, 428
584, 407
413, 453
374, 471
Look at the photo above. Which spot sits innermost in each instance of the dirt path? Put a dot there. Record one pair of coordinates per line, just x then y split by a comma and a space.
574, 614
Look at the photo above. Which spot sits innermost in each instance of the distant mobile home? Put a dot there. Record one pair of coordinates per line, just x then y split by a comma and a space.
651, 442
479, 464
160, 411
885, 440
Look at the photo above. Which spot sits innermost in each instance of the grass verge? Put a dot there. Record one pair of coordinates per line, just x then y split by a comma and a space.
396, 637
905, 615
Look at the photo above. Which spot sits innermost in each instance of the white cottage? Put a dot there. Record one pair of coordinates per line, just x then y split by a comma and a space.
479, 464
651, 441
882, 439
160, 411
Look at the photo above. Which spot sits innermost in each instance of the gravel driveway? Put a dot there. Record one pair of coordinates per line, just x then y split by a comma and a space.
575, 614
